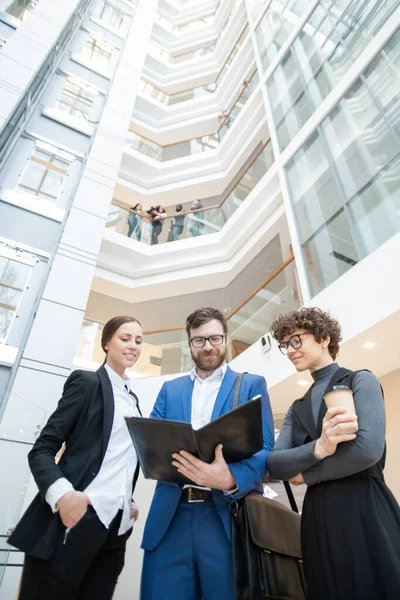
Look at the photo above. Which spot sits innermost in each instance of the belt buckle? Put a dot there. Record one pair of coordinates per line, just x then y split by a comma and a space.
190, 500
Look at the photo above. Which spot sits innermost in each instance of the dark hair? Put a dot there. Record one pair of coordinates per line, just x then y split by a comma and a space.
136, 205
178, 207
112, 326
321, 324
201, 316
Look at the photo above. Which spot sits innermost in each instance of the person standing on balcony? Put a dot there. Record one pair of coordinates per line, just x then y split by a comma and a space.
186, 539
196, 219
135, 221
157, 214
350, 531
75, 531
177, 224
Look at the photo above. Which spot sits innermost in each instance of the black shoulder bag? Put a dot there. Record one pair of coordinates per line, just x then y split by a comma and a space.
267, 561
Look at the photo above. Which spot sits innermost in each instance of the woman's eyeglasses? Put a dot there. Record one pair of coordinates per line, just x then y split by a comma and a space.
294, 341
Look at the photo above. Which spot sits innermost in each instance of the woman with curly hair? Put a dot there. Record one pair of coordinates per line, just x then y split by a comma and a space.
350, 532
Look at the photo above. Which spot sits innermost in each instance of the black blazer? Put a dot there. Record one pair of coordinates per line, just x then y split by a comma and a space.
83, 419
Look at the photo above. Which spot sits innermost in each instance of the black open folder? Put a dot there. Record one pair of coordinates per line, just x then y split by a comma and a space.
155, 440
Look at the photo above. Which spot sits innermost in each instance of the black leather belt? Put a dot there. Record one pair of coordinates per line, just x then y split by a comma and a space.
192, 494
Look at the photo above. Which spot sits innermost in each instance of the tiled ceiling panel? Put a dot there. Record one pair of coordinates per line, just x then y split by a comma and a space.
172, 311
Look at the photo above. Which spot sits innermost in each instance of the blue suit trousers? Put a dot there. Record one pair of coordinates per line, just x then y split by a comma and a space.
193, 561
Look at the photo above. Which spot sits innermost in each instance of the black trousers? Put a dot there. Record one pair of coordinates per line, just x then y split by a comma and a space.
86, 567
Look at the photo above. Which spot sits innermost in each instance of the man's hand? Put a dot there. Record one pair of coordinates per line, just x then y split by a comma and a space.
72, 507
216, 475
134, 512
336, 421
297, 480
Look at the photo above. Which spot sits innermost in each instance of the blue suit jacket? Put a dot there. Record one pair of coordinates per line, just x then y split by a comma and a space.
174, 402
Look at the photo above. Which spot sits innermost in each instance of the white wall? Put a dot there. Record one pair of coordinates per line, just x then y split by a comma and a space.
391, 386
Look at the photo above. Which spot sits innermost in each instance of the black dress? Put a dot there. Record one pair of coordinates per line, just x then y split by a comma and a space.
350, 528
350, 534
350, 540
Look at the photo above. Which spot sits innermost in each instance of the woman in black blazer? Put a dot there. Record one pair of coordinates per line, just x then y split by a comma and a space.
74, 532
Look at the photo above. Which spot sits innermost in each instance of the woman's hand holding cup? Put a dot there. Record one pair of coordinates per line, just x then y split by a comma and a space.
335, 426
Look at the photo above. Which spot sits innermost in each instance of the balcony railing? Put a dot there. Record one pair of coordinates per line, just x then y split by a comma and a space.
148, 89
167, 350
209, 219
195, 145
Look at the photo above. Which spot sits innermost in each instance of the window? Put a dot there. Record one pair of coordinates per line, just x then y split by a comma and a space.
20, 8
77, 98
97, 51
14, 275
45, 173
112, 15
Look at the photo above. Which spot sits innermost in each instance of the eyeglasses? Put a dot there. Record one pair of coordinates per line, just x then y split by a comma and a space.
200, 342
294, 341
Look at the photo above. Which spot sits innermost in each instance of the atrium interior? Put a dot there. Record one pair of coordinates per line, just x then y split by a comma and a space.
275, 124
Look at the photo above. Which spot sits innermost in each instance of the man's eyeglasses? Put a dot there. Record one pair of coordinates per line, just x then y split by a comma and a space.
200, 342
294, 341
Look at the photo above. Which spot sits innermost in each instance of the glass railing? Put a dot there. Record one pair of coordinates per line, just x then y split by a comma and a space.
148, 89
253, 319
191, 54
196, 145
205, 220
18, 431
167, 351
172, 151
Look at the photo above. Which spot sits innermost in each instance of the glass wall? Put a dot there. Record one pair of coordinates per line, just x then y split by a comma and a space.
275, 26
344, 182
326, 47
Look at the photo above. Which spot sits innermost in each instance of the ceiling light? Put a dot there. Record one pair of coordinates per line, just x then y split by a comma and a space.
302, 382
369, 345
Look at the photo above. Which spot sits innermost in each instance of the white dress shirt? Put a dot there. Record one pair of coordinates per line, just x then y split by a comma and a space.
111, 489
204, 395
205, 392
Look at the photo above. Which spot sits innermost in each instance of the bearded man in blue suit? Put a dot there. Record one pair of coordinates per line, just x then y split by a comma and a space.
187, 534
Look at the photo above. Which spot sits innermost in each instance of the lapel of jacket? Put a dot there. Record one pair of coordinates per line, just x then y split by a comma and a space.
108, 407
304, 414
224, 392
186, 398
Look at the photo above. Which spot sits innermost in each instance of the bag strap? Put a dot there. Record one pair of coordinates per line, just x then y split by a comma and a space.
289, 493
235, 402
236, 391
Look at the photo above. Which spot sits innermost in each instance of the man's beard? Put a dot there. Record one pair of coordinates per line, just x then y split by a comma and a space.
211, 360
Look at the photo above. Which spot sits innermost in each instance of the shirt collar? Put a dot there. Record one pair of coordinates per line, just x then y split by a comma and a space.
218, 374
116, 379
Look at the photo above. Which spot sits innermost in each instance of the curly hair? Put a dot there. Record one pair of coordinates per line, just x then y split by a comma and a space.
321, 324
